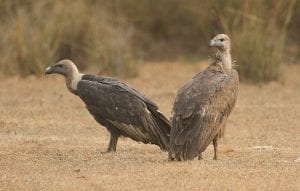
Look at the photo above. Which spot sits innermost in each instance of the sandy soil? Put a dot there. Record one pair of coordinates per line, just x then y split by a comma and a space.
49, 141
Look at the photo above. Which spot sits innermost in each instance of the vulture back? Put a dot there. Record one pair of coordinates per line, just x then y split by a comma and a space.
123, 110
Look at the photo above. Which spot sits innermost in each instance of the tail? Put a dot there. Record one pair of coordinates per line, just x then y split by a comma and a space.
184, 140
163, 127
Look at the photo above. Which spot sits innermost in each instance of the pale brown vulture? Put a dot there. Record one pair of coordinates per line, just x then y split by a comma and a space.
203, 105
120, 108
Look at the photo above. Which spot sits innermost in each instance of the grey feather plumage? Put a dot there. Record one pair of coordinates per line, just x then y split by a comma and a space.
120, 108
201, 109
123, 110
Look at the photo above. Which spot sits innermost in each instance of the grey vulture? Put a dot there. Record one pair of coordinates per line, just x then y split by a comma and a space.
203, 105
120, 108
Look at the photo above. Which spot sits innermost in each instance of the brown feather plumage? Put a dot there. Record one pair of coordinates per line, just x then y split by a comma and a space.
202, 107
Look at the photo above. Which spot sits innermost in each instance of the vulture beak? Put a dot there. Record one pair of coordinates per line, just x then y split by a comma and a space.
49, 70
212, 43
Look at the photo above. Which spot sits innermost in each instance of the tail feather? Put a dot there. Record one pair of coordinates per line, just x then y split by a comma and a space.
163, 127
184, 142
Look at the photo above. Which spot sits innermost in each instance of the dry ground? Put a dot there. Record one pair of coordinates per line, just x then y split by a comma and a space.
49, 141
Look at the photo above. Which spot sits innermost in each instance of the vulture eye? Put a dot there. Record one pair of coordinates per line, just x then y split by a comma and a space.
59, 65
222, 39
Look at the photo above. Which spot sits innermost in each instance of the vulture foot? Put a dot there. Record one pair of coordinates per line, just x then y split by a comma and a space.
200, 156
215, 143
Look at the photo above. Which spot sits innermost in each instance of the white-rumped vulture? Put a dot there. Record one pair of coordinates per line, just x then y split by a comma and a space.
120, 108
203, 105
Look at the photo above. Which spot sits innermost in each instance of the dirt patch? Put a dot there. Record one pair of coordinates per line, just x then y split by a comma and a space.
49, 141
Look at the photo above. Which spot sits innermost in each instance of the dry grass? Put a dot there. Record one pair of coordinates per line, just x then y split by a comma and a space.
35, 34
120, 34
45, 146
258, 31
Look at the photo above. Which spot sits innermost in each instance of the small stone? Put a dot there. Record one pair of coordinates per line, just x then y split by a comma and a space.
297, 160
263, 147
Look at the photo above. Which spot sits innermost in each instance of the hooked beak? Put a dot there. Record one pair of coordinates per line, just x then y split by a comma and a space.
211, 43
49, 70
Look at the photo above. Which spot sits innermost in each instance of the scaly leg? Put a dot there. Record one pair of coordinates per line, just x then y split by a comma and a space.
112, 146
200, 156
215, 143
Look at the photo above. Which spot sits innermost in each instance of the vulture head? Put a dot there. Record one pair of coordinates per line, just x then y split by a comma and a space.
221, 51
221, 42
63, 67
68, 69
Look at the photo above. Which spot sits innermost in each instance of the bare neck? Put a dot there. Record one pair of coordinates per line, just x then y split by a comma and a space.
224, 58
72, 80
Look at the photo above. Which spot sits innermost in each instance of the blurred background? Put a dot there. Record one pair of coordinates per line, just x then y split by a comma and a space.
116, 36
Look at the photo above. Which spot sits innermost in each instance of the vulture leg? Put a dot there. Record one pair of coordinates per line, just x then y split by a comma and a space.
215, 143
112, 146
221, 133
200, 156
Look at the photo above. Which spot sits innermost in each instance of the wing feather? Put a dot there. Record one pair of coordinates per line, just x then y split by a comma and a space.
115, 105
200, 109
